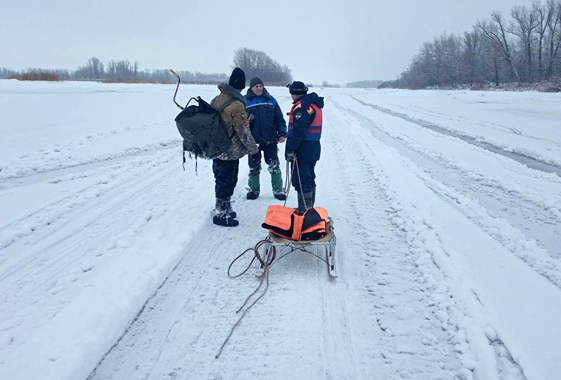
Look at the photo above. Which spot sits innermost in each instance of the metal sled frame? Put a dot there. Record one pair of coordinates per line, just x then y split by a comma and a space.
328, 244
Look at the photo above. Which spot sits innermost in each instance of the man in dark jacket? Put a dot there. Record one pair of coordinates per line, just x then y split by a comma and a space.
226, 166
268, 129
303, 143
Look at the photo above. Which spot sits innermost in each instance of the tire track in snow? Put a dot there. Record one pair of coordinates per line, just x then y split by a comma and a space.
454, 313
40, 281
531, 162
406, 338
491, 125
523, 219
118, 177
52, 174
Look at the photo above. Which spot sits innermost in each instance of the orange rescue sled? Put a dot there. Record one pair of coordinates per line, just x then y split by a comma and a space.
312, 230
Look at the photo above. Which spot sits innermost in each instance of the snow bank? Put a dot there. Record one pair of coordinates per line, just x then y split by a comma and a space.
523, 306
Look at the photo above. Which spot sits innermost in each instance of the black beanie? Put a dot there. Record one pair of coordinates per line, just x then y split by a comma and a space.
237, 79
254, 81
298, 88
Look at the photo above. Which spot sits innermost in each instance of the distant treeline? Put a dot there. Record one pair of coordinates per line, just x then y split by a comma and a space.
253, 62
524, 48
365, 84
112, 71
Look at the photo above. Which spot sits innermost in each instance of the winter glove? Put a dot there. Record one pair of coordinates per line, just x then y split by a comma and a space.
291, 156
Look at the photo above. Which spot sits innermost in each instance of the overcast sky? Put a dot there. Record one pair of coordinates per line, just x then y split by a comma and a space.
337, 41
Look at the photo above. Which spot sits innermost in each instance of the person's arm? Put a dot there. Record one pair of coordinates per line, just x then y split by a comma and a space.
240, 124
279, 121
302, 119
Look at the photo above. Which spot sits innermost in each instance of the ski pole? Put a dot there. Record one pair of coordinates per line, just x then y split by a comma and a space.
176, 88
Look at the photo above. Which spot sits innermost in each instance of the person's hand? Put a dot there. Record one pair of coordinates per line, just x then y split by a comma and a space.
291, 156
282, 139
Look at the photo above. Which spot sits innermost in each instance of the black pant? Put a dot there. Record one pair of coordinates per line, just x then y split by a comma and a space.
270, 151
307, 176
225, 177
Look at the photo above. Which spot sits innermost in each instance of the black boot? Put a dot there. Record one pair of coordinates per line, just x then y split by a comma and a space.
281, 195
252, 195
231, 212
223, 216
305, 201
218, 206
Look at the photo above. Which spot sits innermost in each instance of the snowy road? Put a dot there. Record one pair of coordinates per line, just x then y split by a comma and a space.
449, 249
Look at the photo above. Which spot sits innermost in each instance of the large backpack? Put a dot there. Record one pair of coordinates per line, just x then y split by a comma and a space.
203, 131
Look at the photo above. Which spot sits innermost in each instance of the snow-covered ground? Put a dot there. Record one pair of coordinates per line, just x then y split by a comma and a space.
447, 209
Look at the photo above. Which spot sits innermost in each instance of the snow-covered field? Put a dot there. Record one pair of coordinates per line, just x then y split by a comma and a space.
447, 209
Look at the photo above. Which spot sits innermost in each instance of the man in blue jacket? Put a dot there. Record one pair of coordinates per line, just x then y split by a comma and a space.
268, 129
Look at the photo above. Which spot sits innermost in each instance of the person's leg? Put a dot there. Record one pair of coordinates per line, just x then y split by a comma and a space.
253, 186
226, 178
303, 182
272, 159
313, 182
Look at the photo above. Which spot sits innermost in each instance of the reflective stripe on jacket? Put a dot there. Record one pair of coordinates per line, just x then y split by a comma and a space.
313, 132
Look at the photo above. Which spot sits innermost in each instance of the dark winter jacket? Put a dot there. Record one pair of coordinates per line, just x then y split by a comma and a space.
235, 119
306, 151
268, 122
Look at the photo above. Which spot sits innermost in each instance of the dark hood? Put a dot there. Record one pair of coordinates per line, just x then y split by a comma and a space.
226, 88
250, 95
311, 98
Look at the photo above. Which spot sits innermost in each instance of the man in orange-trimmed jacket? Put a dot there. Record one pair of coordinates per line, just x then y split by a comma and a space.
303, 141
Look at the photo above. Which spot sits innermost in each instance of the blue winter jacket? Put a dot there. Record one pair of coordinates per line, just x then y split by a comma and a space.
267, 124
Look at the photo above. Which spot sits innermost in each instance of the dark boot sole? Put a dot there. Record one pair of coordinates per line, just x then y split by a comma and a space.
280, 197
251, 195
225, 222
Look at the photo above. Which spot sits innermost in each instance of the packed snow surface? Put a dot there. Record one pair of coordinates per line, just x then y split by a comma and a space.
447, 212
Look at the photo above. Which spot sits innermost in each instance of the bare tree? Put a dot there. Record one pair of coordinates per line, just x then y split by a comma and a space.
472, 53
136, 66
554, 33
495, 31
112, 69
543, 16
523, 26
95, 68
256, 63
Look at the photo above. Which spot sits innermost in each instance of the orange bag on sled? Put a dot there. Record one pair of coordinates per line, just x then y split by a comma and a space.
286, 223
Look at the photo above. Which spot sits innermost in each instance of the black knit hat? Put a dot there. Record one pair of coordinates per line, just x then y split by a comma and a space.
298, 88
237, 79
254, 81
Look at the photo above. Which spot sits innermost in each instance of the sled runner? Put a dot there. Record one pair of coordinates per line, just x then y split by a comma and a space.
324, 249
